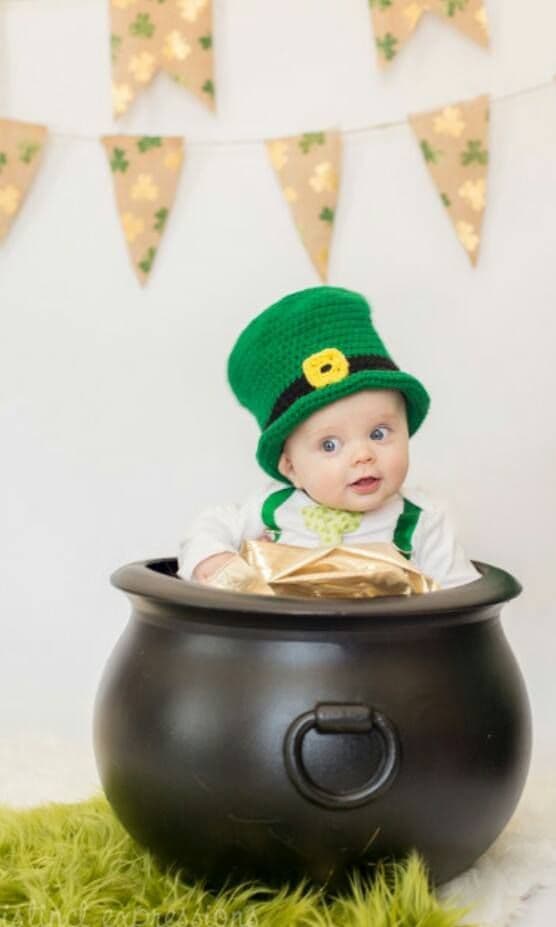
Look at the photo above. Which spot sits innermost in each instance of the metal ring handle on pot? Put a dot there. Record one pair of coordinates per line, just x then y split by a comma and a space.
341, 718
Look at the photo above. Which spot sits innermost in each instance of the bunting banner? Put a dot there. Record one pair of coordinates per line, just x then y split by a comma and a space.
394, 21
21, 148
170, 35
308, 170
146, 171
454, 144
453, 140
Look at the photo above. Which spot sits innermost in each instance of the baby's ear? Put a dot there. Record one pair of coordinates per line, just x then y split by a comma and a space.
285, 466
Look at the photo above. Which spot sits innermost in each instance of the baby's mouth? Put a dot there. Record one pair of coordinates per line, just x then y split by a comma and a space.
366, 482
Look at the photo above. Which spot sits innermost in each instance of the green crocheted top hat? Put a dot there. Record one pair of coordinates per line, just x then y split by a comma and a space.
305, 351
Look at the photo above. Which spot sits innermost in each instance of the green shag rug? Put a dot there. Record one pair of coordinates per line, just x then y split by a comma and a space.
65, 865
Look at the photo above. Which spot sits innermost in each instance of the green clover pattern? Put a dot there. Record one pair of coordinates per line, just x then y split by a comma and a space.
142, 26
118, 161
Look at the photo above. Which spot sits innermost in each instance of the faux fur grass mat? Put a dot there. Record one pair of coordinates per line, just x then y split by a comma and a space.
73, 865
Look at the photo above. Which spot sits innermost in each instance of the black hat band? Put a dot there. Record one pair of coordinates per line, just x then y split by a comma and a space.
302, 387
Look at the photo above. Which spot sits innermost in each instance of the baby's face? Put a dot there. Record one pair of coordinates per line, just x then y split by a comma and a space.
364, 435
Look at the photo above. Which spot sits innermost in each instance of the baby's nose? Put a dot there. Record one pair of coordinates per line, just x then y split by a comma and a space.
365, 450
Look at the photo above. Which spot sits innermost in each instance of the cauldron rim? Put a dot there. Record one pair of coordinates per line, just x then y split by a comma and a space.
156, 580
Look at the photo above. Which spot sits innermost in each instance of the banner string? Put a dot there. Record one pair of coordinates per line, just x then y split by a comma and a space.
246, 142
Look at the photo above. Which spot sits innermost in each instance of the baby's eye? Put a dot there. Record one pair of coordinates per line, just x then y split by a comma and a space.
378, 434
330, 444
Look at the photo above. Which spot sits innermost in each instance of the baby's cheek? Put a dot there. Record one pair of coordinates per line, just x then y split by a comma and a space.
399, 471
331, 480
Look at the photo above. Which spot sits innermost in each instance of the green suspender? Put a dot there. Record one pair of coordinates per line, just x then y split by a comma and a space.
405, 527
270, 504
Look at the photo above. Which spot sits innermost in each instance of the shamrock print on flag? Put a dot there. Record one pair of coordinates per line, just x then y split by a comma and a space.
308, 170
145, 170
170, 35
394, 21
454, 144
21, 148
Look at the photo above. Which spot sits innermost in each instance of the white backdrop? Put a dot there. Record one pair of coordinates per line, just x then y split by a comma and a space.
117, 423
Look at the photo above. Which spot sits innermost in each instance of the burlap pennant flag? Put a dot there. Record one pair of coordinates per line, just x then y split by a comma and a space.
146, 171
308, 171
21, 148
394, 21
151, 35
454, 144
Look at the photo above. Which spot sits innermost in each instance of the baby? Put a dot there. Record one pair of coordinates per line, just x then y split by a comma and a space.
336, 415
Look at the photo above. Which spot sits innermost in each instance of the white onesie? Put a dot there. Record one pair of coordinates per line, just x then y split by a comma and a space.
292, 517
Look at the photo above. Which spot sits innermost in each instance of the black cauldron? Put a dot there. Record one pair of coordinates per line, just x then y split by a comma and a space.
252, 736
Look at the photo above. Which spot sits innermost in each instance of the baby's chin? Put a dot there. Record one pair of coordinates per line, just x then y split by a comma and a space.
354, 503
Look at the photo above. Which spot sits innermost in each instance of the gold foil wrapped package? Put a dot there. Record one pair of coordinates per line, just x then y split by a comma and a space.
359, 571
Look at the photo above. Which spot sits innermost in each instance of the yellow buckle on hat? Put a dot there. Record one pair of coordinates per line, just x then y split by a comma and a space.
326, 367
